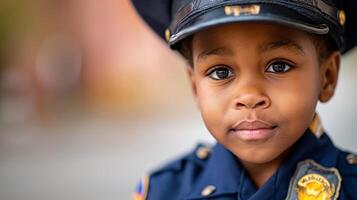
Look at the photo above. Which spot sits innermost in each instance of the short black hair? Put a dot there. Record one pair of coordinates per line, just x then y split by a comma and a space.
185, 49
324, 44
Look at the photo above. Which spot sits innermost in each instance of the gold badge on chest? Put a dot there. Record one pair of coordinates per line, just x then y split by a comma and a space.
314, 182
314, 187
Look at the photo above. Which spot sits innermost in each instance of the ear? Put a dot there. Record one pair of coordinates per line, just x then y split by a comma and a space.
191, 76
329, 72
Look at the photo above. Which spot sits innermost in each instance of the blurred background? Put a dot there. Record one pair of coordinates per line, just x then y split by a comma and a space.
91, 100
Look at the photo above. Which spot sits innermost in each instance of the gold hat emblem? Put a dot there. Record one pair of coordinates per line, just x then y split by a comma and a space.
238, 10
314, 187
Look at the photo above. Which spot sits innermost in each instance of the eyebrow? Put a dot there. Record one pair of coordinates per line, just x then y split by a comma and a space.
282, 43
270, 46
221, 51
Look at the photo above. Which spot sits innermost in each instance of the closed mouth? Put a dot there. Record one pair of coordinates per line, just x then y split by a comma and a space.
256, 130
253, 125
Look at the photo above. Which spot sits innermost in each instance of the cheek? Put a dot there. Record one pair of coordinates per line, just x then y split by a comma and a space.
296, 99
212, 103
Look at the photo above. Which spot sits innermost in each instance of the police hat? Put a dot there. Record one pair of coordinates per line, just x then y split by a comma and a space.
175, 20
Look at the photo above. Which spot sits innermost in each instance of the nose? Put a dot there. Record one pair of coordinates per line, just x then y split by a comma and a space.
251, 100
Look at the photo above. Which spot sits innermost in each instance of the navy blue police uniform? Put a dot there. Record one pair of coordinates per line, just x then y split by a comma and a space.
215, 173
314, 169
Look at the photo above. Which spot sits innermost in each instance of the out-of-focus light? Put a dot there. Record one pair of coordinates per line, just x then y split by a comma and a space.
17, 101
58, 64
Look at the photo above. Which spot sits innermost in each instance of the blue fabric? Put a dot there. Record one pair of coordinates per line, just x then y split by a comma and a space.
161, 14
185, 178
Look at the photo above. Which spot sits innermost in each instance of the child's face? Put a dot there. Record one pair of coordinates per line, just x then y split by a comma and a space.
257, 86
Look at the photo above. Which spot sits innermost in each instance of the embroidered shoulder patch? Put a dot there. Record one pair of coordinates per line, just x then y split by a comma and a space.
312, 181
142, 189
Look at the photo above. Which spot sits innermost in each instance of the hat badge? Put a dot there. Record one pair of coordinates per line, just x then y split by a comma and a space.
238, 10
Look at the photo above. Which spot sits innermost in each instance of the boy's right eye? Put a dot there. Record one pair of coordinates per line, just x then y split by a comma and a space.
220, 73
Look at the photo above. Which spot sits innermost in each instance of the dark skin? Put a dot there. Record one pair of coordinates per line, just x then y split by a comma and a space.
257, 86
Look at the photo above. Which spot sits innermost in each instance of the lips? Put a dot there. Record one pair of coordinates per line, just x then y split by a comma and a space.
253, 130
252, 125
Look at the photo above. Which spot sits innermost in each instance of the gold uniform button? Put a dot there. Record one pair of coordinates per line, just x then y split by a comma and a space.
342, 17
208, 190
167, 35
351, 159
203, 152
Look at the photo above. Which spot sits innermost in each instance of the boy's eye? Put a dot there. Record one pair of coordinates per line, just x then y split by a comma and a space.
220, 73
279, 67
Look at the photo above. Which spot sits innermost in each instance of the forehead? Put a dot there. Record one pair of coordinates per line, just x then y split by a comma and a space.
248, 34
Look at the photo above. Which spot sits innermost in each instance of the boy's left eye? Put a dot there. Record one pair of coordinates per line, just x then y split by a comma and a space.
279, 67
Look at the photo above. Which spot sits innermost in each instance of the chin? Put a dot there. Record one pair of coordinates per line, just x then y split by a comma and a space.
256, 160
261, 156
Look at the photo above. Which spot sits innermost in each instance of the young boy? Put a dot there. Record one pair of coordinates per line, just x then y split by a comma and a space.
258, 69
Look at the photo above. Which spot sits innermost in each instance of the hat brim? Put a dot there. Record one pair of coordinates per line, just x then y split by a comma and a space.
267, 13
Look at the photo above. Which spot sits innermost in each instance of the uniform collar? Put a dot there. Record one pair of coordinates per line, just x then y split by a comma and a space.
226, 174
222, 170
